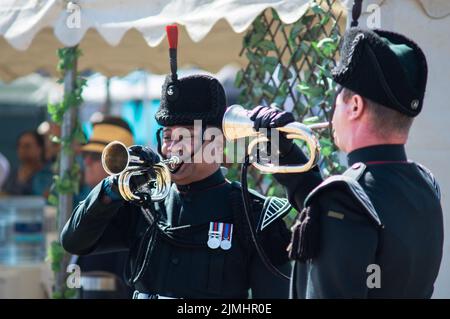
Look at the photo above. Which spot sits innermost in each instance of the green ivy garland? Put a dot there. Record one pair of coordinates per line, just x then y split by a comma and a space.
69, 182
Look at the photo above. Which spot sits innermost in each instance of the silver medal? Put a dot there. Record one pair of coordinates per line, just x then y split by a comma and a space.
225, 244
213, 242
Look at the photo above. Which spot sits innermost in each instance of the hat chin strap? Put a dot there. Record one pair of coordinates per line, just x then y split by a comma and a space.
158, 141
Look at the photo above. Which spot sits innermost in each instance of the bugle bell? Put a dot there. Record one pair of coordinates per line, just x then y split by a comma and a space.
237, 124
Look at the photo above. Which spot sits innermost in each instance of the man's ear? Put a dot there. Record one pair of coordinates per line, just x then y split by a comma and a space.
357, 107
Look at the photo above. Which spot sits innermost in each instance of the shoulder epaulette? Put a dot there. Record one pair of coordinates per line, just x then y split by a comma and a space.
352, 187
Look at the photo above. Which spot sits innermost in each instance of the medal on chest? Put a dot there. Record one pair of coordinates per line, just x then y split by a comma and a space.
214, 234
227, 233
220, 235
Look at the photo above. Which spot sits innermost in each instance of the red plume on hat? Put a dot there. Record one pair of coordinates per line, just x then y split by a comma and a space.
172, 36
189, 98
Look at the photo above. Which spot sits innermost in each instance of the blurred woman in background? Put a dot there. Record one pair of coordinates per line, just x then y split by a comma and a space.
30, 177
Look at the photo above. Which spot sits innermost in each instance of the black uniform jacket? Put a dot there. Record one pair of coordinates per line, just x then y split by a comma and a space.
395, 253
168, 249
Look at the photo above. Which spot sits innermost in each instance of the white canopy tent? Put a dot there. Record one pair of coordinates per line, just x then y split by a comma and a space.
32, 89
119, 36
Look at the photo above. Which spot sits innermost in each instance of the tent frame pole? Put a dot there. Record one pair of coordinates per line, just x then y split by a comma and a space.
65, 200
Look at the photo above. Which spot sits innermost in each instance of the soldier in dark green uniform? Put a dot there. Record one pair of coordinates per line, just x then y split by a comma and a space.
377, 230
195, 243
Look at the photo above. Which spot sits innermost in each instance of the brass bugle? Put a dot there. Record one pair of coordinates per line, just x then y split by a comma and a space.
237, 124
117, 160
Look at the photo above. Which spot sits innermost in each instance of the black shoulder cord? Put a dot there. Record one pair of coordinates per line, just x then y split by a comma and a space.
247, 208
150, 235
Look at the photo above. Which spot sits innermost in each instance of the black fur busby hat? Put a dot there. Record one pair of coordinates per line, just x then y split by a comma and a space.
385, 67
196, 97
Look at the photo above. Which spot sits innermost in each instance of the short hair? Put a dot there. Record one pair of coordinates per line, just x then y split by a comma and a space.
385, 121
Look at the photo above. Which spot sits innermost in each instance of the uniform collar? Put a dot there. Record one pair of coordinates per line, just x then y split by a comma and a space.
378, 153
212, 180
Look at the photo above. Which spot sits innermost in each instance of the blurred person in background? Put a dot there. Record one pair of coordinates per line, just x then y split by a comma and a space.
105, 130
31, 177
49, 130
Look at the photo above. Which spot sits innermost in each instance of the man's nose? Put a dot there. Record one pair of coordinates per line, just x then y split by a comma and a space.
173, 144
169, 146
175, 147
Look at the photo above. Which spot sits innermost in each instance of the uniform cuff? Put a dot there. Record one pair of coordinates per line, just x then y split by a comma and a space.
108, 189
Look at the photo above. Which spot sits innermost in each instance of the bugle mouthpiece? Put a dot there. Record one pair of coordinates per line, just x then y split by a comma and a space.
319, 126
172, 162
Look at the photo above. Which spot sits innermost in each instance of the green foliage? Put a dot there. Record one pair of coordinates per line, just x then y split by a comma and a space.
53, 199
71, 99
297, 69
67, 294
57, 295
68, 183
67, 58
55, 254
70, 293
